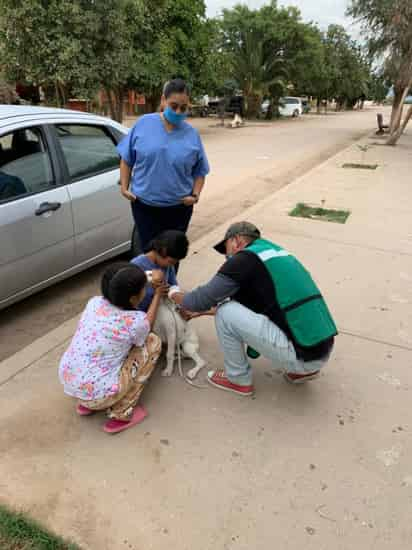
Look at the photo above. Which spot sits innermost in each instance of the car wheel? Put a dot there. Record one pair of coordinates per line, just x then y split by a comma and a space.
295, 113
136, 247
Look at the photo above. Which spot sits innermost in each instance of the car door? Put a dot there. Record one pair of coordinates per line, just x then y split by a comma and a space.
102, 217
36, 224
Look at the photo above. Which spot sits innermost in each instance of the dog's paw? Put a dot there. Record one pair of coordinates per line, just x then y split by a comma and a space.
167, 372
192, 373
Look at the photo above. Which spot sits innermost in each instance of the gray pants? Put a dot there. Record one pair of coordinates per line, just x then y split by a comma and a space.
238, 326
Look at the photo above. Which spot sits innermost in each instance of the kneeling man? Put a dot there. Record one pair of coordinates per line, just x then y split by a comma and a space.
269, 305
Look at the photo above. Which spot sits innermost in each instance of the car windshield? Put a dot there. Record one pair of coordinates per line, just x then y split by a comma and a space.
290, 101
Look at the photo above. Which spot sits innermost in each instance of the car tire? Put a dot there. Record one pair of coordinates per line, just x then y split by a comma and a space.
136, 247
295, 113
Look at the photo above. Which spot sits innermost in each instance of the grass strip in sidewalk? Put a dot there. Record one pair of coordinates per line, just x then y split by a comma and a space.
303, 210
360, 166
17, 532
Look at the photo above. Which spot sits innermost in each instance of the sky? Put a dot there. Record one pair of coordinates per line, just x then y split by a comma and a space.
323, 12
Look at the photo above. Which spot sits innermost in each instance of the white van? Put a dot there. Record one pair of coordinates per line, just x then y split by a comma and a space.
290, 106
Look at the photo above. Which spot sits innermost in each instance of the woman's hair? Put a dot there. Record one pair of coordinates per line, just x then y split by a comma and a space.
175, 86
121, 281
171, 243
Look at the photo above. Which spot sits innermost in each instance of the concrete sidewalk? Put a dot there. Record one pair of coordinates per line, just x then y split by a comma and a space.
317, 467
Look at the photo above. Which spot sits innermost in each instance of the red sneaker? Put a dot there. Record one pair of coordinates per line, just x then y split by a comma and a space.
114, 426
218, 378
294, 378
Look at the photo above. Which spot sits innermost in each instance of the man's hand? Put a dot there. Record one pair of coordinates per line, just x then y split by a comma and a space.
189, 315
189, 200
211, 311
185, 314
128, 195
176, 297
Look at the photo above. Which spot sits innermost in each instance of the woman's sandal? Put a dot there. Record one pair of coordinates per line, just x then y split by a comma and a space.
114, 426
83, 411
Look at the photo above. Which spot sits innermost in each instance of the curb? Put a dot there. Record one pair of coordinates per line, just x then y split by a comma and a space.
23, 359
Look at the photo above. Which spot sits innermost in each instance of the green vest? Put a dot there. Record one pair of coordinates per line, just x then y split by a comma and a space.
306, 312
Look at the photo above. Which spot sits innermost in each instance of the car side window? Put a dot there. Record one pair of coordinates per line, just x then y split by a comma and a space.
88, 150
25, 166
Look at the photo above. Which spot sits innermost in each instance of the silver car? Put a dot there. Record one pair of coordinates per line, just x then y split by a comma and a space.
60, 205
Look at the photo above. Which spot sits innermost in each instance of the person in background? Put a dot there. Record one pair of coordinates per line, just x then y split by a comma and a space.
163, 166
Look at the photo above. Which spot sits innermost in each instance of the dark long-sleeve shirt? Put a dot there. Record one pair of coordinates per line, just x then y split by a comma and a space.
244, 278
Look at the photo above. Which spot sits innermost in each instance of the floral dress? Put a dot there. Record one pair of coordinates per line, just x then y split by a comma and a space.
89, 369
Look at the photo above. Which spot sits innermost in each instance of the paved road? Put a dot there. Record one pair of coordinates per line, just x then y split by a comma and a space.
247, 165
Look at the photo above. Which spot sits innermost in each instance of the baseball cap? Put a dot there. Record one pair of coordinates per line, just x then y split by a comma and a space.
246, 229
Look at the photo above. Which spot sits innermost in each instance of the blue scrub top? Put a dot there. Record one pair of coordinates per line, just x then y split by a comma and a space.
164, 164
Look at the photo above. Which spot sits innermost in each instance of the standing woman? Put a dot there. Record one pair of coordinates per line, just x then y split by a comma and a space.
163, 166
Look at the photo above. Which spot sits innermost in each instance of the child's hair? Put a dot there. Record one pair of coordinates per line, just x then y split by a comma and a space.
121, 281
171, 243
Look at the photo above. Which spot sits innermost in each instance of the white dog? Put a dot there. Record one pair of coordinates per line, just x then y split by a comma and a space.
178, 334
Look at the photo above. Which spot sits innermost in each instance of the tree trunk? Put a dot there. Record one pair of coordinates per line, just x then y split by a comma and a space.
318, 105
269, 112
153, 101
115, 99
393, 139
273, 110
397, 109
110, 102
62, 93
59, 98
254, 102
118, 98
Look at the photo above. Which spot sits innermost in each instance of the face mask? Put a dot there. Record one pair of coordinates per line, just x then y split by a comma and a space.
174, 118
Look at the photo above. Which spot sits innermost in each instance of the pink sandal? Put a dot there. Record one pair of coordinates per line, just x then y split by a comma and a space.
83, 411
114, 426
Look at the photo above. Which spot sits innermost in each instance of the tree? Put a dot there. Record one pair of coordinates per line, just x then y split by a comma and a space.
273, 50
217, 63
388, 26
379, 86
7, 92
308, 71
78, 46
258, 42
257, 71
180, 43
349, 70
49, 44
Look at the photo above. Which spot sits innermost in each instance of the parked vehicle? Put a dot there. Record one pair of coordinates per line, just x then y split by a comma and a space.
60, 206
264, 107
290, 106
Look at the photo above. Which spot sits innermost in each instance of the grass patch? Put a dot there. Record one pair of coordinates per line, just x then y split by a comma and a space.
303, 210
360, 166
17, 532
